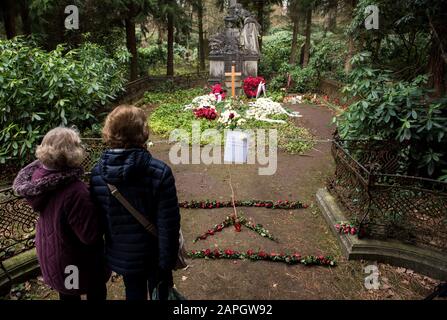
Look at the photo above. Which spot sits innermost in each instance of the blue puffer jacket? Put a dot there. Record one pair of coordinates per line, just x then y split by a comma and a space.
148, 184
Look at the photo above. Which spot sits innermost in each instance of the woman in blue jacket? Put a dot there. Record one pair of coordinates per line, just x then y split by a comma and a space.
148, 184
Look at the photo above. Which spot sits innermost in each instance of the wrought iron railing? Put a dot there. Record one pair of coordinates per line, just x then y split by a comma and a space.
17, 218
384, 204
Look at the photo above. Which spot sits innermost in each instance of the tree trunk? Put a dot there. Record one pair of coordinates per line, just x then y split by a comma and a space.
131, 43
436, 67
308, 33
260, 8
349, 55
201, 40
170, 61
351, 46
9, 19
24, 14
293, 51
330, 22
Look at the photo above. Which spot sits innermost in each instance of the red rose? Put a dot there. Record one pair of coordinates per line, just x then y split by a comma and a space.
262, 254
216, 253
237, 226
207, 252
250, 252
229, 252
231, 116
211, 232
297, 256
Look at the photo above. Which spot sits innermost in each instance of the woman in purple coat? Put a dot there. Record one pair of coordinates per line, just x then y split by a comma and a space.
69, 236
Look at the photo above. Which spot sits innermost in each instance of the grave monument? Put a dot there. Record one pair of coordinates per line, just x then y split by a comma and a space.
237, 45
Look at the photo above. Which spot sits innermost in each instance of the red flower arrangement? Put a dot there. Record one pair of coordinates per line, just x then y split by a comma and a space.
213, 204
291, 259
251, 86
208, 113
218, 90
240, 221
346, 228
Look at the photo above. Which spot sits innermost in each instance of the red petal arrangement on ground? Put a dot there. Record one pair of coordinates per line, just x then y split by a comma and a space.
229, 221
252, 255
213, 204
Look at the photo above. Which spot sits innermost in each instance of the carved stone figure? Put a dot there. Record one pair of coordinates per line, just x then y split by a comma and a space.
237, 42
250, 36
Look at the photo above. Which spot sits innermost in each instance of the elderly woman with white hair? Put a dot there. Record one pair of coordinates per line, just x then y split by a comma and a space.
69, 237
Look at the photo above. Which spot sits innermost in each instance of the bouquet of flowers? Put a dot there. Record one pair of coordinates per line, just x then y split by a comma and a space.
251, 86
264, 107
202, 101
231, 119
346, 228
218, 92
207, 113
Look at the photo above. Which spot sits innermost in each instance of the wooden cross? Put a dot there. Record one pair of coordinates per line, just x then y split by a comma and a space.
233, 75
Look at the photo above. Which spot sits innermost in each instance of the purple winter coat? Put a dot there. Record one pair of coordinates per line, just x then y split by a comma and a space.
69, 229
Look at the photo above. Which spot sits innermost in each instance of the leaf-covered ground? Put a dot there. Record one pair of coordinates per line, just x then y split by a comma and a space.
302, 230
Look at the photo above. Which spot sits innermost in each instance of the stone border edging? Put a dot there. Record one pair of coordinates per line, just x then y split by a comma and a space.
21, 268
425, 261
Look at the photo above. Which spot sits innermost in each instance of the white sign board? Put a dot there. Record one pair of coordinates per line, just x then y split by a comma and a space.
236, 147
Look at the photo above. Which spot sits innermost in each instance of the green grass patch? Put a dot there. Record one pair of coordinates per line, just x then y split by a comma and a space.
170, 115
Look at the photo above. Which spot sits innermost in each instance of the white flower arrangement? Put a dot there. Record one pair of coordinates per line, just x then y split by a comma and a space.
208, 100
230, 118
264, 107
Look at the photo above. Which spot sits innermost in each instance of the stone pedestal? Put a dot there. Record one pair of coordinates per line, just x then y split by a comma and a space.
219, 64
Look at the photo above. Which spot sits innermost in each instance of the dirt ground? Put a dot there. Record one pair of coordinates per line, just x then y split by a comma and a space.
303, 230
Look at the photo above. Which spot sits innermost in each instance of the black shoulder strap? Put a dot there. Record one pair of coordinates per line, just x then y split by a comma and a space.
137, 215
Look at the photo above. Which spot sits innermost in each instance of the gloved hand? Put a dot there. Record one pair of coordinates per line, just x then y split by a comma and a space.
165, 276
165, 282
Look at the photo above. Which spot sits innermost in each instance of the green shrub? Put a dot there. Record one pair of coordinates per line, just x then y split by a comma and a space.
275, 52
303, 79
397, 110
40, 90
151, 57
182, 96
